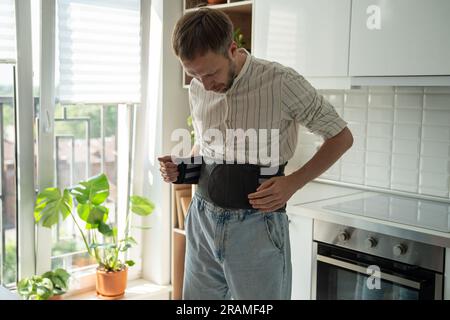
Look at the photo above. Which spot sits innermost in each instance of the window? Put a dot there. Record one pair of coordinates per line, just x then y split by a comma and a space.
7, 31
8, 212
86, 144
98, 89
8, 216
99, 51
97, 69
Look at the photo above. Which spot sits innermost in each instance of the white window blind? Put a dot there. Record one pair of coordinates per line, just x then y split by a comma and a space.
99, 51
7, 30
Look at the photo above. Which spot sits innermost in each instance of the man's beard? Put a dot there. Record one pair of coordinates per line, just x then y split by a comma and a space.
231, 75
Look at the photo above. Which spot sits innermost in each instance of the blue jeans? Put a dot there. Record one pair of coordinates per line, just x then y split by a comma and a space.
236, 254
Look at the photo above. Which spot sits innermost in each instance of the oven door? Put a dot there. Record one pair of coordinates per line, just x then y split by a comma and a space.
343, 274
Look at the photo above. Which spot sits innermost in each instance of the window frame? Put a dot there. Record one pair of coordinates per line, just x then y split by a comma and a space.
25, 141
34, 242
46, 178
84, 278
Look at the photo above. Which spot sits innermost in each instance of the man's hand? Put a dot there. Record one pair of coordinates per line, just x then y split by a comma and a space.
168, 169
273, 194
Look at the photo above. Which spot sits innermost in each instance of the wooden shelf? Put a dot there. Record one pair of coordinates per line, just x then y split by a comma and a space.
183, 232
179, 192
237, 6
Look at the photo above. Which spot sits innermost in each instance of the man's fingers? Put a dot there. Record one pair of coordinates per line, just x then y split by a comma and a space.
166, 170
266, 184
165, 159
170, 179
262, 201
170, 165
170, 175
173, 176
260, 194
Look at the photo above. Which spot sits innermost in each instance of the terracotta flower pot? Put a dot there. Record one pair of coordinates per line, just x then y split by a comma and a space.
111, 285
56, 297
216, 1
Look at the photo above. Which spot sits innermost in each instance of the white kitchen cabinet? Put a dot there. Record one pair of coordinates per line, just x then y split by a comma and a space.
400, 38
301, 235
311, 36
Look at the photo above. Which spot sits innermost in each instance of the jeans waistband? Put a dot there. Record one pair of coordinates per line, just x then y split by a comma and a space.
233, 213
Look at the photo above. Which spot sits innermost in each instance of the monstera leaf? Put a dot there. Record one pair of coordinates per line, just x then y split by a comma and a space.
141, 206
50, 205
95, 190
92, 215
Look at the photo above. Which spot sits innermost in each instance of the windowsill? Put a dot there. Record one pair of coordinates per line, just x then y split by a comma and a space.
138, 289
6, 294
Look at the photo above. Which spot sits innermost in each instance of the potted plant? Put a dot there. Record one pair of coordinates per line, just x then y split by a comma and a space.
238, 37
100, 238
216, 1
50, 285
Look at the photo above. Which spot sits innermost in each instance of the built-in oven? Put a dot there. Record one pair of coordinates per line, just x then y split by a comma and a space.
356, 264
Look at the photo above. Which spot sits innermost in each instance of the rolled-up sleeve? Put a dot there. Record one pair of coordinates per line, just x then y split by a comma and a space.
303, 104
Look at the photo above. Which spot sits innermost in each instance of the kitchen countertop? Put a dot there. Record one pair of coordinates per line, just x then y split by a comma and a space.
316, 191
419, 220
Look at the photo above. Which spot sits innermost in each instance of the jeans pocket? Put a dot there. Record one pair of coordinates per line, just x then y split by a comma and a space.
275, 229
194, 204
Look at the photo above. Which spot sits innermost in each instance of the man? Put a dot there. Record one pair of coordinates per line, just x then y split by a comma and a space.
234, 248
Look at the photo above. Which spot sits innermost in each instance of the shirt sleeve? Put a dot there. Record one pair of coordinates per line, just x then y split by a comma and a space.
194, 120
306, 106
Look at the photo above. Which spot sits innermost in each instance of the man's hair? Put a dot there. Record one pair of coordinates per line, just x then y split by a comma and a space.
202, 30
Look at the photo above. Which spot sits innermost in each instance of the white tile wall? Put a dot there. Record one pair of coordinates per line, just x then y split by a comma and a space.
402, 139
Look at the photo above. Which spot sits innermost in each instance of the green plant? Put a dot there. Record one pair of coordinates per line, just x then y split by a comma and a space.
45, 286
100, 237
238, 37
10, 261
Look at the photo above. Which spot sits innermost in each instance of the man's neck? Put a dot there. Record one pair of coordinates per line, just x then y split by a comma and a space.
241, 58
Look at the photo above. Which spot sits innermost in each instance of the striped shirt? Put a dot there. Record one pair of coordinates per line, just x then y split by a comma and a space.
264, 95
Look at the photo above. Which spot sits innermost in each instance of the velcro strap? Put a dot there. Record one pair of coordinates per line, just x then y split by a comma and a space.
189, 170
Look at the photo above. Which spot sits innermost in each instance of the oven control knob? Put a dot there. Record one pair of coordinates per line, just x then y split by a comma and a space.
370, 242
343, 236
400, 250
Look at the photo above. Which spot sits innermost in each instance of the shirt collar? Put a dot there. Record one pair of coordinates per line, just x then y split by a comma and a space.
244, 69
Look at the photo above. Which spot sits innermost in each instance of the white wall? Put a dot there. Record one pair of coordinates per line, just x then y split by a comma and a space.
167, 110
402, 139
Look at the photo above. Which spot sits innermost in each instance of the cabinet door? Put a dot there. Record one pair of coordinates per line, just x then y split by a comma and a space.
400, 38
301, 235
311, 36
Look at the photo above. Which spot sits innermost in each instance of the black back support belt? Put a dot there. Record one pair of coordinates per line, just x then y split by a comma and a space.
225, 185
188, 170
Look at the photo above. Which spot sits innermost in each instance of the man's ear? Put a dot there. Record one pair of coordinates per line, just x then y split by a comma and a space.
233, 49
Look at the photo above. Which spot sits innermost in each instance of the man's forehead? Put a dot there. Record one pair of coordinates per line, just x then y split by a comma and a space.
200, 65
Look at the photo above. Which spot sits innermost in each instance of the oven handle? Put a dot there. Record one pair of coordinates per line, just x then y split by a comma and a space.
362, 270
